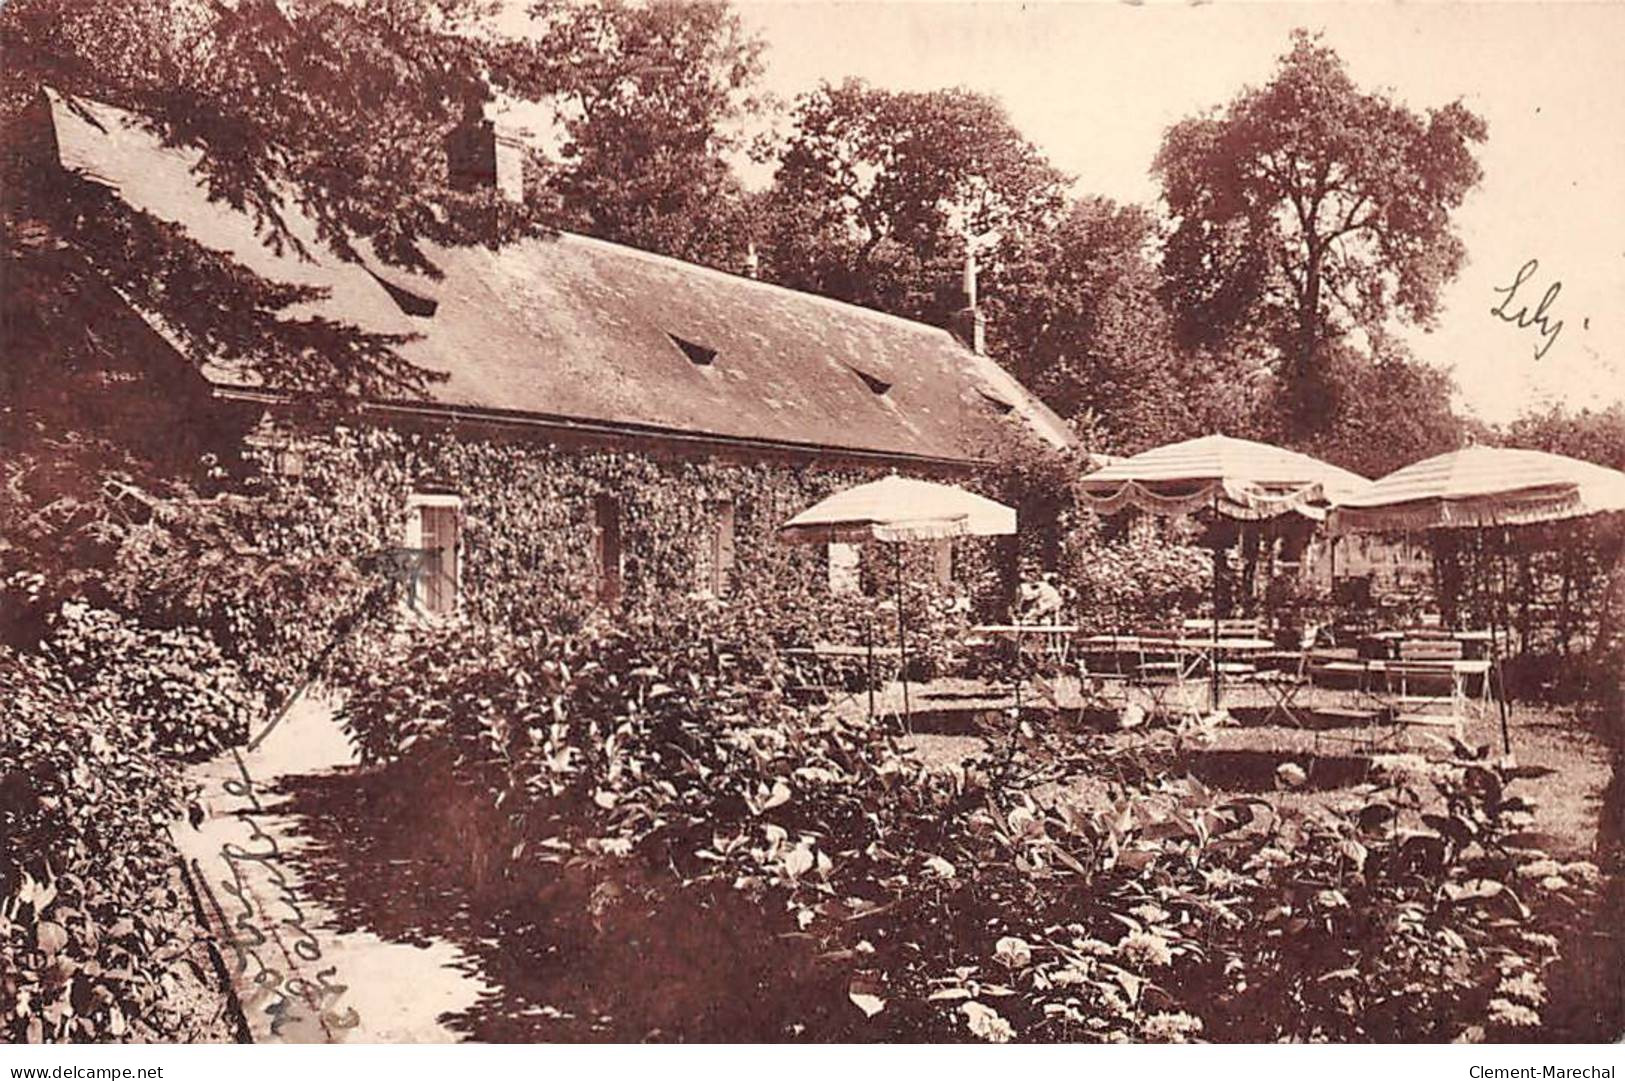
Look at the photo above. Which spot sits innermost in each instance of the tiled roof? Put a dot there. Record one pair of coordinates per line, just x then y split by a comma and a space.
579, 328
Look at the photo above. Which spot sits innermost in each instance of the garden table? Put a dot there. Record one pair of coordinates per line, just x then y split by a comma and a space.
1215, 650
836, 652
1473, 642
1056, 637
1202, 649
1463, 671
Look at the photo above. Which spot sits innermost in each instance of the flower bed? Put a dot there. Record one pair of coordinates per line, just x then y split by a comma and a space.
640, 797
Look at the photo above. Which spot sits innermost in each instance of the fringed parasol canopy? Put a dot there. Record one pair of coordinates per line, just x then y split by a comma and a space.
1246, 480
1481, 487
899, 509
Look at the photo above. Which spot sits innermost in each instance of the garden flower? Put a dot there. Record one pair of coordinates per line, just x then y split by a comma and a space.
1271, 857
986, 1023
1093, 947
1540, 938
1525, 987
1024, 823
1149, 913
1146, 950
613, 846
1013, 952
1171, 1027
1584, 871
1290, 775
1540, 869
1505, 1012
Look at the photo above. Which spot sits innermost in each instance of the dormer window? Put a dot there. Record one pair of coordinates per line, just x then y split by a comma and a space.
875, 384
702, 355
999, 405
411, 303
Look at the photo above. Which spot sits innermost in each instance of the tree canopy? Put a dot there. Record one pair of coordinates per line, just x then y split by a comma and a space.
337, 113
1078, 318
1313, 209
877, 190
648, 98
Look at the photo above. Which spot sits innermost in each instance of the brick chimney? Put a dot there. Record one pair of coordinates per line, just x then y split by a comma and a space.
968, 324
510, 161
471, 152
479, 156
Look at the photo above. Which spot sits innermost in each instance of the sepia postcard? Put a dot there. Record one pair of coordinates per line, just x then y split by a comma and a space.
740, 522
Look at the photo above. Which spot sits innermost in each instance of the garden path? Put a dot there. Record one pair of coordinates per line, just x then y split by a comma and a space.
302, 974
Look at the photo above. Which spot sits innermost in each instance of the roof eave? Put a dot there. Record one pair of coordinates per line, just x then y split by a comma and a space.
580, 426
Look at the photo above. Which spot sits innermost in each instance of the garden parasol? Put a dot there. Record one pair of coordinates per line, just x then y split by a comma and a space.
896, 510
1238, 478
1479, 487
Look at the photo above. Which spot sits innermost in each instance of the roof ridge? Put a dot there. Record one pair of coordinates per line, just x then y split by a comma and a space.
746, 280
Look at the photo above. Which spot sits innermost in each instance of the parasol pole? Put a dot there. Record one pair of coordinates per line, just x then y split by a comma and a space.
869, 661
1495, 649
1495, 677
1213, 662
902, 643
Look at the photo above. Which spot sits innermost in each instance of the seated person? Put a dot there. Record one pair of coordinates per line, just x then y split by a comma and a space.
1039, 599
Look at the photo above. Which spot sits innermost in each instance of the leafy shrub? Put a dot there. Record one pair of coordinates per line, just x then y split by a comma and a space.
97, 935
1132, 583
173, 688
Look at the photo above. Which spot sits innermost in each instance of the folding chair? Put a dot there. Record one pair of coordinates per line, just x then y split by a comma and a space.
1425, 680
1165, 672
1285, 675
1105, 674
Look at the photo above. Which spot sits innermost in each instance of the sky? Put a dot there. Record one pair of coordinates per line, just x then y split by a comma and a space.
1095, 84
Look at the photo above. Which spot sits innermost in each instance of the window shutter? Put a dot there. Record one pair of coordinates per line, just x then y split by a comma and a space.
942, 561
722, 557
607, 523
845, 568
439, 533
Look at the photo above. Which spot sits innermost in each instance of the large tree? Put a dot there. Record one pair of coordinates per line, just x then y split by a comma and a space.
1313, 210
326, 122
877, 191
650, 100
1079, 319
1382, 410
337, 112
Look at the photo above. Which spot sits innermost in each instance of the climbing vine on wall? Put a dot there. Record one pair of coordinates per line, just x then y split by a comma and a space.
529, 550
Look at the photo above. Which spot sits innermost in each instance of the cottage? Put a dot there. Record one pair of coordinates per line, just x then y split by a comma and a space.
609, 421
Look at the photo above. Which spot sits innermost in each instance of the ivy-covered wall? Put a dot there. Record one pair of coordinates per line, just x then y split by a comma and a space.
528, 529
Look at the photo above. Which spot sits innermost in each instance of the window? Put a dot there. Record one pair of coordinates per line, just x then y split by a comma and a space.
434, 526
845, 568
607, 545
407, 301
999, 405
714, 562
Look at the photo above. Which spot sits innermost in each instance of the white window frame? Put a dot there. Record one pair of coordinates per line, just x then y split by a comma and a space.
414, 539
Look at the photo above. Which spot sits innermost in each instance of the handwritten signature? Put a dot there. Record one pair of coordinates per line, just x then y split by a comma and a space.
248, 930
290, 936
1541, 319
